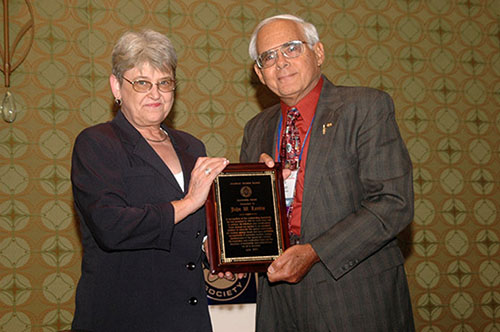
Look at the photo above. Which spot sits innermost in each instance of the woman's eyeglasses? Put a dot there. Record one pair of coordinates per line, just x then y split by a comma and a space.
142, 86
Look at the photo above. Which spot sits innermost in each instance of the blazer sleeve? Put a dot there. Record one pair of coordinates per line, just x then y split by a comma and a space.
381, 188
102, 195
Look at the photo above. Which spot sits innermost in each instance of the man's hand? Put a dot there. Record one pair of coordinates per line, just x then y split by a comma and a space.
266, 159
293, 264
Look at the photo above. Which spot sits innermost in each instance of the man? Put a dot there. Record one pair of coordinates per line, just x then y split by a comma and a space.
350, 188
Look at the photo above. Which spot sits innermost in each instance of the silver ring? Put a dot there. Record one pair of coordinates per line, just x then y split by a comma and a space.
207, 170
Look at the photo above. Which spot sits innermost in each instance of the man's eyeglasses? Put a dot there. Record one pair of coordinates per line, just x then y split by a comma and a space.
291, 49
142, 86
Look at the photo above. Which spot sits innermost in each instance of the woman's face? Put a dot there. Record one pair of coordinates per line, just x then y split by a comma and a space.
143, 109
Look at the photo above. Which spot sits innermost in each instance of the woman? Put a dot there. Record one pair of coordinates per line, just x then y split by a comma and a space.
139, 188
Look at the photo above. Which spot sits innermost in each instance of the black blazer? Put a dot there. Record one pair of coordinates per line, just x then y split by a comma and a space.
140, 272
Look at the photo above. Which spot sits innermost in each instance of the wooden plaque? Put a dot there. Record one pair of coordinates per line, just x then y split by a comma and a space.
246, 218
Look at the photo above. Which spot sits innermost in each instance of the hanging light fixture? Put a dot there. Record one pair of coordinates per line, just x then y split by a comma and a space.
8, 106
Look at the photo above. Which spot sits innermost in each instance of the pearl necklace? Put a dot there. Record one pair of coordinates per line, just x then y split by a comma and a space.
158, 140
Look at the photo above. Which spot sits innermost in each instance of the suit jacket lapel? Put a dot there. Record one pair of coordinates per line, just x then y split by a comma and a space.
270, 132
138, 146
187, 160
320, 145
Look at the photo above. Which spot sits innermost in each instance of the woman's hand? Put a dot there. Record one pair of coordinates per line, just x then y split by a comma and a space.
203, 174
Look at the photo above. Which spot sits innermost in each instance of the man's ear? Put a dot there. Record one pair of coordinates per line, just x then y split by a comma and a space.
114, 82
258, 71
319, 51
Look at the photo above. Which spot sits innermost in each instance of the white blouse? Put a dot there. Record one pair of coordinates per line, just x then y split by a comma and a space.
180, 179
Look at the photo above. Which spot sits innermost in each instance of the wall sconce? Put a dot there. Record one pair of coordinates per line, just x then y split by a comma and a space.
8, 106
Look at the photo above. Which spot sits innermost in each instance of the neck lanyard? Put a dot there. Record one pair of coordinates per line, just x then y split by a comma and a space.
279, 138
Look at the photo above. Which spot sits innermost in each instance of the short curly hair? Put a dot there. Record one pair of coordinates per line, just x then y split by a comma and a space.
135, 49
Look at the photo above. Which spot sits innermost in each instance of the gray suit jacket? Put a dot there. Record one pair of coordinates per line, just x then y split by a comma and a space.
358, 195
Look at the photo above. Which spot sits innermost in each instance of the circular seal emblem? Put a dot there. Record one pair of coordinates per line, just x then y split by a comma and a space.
221, 289
246, 191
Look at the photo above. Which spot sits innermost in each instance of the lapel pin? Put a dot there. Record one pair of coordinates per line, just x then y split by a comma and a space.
326, 125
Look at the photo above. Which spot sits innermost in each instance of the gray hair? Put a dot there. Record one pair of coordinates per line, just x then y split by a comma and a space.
310, 32
135, 49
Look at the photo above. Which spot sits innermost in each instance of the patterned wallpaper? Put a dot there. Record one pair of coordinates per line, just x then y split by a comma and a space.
439, 59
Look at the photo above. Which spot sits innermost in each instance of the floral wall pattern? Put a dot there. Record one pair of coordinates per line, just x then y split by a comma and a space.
440, 61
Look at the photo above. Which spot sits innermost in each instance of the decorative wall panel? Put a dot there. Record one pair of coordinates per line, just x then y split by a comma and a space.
440, 61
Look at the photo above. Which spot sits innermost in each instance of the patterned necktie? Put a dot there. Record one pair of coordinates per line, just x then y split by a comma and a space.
290, 149
290, 144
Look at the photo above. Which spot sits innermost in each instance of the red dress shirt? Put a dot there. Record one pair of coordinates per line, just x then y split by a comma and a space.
307, 109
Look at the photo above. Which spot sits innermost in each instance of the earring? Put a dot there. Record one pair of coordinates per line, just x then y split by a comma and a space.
118, 101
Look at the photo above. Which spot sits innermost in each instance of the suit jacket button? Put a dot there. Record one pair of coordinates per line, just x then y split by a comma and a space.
193, 301
198, 234
190, 266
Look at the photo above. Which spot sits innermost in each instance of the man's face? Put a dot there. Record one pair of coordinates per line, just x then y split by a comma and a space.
289, 79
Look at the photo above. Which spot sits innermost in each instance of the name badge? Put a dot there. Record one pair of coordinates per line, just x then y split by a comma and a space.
289, 184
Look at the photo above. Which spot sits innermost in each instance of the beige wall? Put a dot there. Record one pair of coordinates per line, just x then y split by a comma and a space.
439, 60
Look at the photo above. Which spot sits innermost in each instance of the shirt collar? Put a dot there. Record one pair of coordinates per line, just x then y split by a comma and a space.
307, 105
